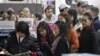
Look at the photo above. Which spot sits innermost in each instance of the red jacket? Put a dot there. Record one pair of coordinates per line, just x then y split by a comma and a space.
74, 38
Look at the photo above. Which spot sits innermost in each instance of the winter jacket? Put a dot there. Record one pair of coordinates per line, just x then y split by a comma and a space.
88, 41
14, 47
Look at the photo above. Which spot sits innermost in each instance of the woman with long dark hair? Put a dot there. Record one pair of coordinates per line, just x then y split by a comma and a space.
71, 32
45, 37
73, 14
61, 44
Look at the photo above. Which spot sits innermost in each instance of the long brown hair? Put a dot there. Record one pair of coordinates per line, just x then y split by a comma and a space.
67, 18
49, 37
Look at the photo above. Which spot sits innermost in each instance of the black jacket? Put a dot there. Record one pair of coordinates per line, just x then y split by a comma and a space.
96, 23
63, 46
45, 48
98, 39
96, 19
88, 41
28, 44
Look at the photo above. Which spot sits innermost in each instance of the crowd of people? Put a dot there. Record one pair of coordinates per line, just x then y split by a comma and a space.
72, 31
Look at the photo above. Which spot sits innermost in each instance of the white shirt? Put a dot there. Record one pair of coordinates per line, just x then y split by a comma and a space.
52, 20
79, 23
79, 16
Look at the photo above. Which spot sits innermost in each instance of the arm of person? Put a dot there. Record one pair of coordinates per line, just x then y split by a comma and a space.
74, 39
35, 48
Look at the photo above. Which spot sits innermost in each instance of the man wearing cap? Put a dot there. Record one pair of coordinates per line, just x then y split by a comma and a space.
64, 8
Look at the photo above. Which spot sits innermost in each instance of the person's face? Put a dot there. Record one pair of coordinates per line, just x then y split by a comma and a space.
20, 34
49, 13
26, 12
56, 30
81, 9
61, 18
85, 21
21, 14
36, 18
42, 31
4, 14
13, 17
65, 10
92, 13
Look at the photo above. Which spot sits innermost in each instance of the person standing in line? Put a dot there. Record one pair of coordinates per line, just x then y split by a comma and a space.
45, 38
87, 39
